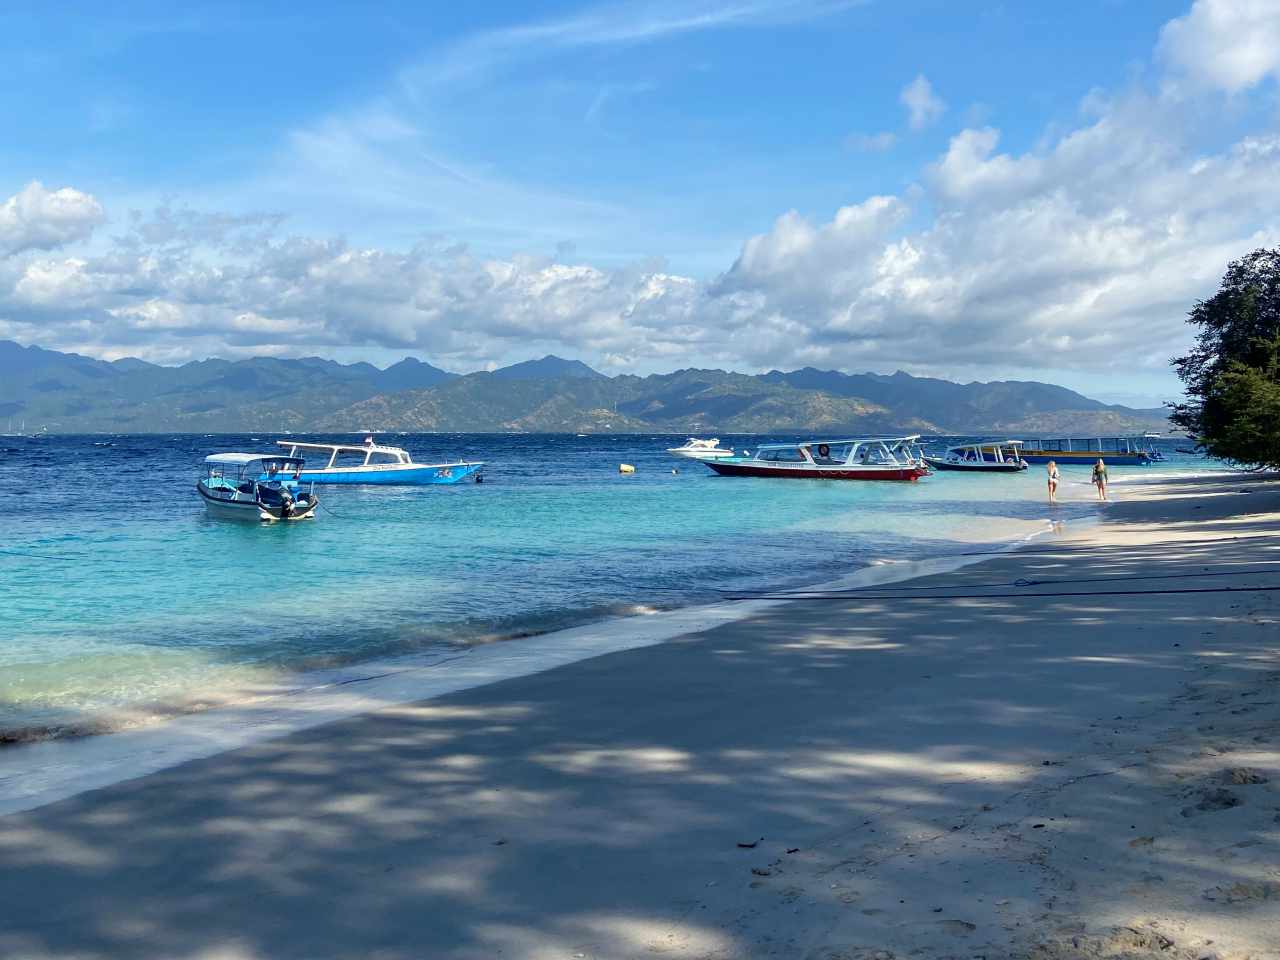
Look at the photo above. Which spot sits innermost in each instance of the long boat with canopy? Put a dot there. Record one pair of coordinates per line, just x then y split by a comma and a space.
987, 456
868, 458
1122, 451
371, 462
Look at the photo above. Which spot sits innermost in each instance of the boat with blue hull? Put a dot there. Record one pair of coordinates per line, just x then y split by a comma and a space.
1119, 451
375, 463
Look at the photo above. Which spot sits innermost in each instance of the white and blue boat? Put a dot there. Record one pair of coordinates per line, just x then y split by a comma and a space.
375, 463
255, 486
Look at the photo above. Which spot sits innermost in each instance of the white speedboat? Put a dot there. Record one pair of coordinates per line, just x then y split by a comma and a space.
695, 449
255, 486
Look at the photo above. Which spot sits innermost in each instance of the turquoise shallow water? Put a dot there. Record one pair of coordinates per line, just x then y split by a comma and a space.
122, 600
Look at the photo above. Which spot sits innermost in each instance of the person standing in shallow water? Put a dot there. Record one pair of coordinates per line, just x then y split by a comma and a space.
1100, 478
1052, 468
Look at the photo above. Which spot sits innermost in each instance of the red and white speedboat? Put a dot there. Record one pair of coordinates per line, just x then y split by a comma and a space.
892, 458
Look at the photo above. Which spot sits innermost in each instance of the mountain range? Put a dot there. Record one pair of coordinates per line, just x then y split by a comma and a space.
67, 393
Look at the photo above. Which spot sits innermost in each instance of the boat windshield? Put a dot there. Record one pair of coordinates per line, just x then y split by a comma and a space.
233, 470
984, 453
831, 453
875, 453
272, 468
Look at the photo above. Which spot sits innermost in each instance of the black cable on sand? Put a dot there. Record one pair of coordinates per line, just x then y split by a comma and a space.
994, 596
1032, 582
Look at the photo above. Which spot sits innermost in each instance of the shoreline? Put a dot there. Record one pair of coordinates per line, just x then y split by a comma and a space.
1000, 776
47, 710
38, 771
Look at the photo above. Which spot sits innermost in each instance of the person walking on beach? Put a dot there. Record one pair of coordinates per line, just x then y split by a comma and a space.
1053, 482
1100, 478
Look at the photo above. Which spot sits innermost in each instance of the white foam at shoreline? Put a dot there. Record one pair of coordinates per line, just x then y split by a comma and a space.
35, 774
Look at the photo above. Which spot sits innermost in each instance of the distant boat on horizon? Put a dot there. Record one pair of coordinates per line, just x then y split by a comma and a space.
695, 449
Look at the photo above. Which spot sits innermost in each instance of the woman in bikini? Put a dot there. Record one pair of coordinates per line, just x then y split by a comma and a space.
1100, 478
1054, 477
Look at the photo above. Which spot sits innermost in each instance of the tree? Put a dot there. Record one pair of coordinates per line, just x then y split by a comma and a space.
1232, 374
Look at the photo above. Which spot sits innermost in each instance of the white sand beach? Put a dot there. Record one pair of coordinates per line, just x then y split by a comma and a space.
1078, 756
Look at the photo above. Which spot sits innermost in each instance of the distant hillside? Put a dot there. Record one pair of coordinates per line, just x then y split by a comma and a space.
69, 393
548, 368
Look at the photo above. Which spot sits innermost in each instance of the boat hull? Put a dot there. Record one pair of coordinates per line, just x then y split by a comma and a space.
700, 454
406, 475
940, 464
242, 508
1085, 458
808, 471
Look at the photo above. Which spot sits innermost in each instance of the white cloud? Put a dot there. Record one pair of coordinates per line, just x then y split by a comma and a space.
968, 170
871, 142
1228, 45
1083, 252
924, 107
40, 219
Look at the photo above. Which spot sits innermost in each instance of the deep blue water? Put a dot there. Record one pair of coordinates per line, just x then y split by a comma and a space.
118, 593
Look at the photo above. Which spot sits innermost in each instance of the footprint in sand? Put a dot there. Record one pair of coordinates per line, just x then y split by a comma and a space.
1244, 892
1212, 800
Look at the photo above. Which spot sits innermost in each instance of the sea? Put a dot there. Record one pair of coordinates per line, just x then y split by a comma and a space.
122, 603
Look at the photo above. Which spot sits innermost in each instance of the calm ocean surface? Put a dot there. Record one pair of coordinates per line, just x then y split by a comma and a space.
121, 600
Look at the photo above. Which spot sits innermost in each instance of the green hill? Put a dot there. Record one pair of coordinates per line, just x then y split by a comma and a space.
68, 393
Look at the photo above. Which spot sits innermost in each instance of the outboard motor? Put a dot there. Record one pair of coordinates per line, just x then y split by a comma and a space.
275, 497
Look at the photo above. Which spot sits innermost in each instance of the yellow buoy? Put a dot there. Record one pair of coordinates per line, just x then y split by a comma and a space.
626, 468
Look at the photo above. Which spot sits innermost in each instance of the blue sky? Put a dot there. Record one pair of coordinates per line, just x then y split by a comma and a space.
704, 136
477, 185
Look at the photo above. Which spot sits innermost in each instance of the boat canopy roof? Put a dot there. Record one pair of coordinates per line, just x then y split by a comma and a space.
832, 443
987, 443
332, 448
241, 459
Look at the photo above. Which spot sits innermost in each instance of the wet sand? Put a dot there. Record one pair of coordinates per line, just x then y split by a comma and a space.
1095, 773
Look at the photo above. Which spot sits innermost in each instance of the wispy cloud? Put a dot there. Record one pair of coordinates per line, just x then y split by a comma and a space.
924, 106
607, 25
871, 142
612, 91
398, 154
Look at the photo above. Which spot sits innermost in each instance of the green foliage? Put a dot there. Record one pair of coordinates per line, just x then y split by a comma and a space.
1232, 375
